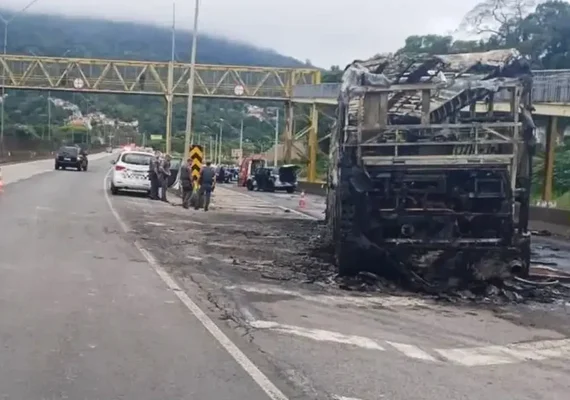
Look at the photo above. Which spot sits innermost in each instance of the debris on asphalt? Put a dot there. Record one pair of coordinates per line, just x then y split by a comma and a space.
280, 250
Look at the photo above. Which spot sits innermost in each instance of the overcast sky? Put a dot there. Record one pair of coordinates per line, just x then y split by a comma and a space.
326, 32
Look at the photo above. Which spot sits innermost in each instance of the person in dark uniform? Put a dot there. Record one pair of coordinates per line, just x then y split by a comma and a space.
186, 182
206, 181
163, 175
153, 176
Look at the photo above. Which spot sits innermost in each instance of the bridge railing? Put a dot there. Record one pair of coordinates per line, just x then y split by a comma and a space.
550, 86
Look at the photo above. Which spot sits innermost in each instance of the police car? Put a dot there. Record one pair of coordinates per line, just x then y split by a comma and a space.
130, 171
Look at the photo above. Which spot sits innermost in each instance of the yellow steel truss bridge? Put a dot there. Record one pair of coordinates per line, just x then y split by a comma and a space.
87, 75
151, 77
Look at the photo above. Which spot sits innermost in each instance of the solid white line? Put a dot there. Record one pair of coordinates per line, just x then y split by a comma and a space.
412, 351
248, 366
319, 335
508, 354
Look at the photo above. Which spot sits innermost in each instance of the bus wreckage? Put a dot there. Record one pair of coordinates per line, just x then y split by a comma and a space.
427, 179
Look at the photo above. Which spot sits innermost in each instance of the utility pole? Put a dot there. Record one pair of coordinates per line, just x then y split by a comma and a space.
211, 148
187, 136
240, 158
170, 83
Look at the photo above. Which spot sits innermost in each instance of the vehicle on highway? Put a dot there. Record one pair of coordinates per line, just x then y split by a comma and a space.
270, 179
248, 167
418, 182
131, 172
71, 157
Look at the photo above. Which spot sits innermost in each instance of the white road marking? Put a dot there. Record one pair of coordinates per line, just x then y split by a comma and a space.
347, 398
412, 351
319, 335
468, 357
248, 366
349, 300
508, 354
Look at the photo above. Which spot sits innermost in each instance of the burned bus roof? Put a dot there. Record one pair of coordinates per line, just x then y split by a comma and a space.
450, 74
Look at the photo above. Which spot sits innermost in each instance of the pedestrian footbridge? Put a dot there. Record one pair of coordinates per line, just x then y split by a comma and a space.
551, 93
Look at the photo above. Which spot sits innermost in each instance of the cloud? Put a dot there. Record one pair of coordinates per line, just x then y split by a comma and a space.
326, 32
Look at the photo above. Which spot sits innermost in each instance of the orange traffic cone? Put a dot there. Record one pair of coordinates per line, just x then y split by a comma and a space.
302, 202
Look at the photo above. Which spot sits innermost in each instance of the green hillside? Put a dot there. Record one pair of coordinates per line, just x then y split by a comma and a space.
49, 35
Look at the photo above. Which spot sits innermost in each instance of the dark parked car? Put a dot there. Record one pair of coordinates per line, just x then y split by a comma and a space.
270, 179
71, 157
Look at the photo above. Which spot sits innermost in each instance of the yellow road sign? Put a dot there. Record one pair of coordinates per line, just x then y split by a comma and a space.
197, 157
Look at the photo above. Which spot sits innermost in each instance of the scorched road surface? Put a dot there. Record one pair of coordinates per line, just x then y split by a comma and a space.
85, 317
251, 259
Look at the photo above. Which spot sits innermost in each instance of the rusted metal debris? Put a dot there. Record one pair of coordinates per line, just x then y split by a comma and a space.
543, 272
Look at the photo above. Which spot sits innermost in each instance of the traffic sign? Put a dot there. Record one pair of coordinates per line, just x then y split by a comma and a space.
78, 83
239, 90
197, 157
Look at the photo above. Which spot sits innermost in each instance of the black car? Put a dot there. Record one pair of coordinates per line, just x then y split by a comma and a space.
71, 157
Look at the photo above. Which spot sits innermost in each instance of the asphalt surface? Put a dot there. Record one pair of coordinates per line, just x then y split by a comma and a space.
331, 343
86, 316
83, 314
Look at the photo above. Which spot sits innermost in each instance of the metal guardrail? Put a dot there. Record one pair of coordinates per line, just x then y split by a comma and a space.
551, 216
550, 86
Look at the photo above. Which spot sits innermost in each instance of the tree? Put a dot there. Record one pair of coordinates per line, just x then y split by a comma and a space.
499, 18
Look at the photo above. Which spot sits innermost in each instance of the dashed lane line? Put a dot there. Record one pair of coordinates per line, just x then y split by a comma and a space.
508, 354
319, 335
467, 357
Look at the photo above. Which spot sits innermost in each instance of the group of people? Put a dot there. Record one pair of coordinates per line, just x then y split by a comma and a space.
197, 191
159, 174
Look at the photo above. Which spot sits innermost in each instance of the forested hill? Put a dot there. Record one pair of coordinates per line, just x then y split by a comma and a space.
83, 37
57, 36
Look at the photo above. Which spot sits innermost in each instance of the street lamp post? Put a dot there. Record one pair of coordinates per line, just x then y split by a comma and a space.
4, 50
188, 134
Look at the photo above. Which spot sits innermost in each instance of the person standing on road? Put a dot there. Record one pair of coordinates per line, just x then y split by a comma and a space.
206, 181
153, 177
163, 176
186, 182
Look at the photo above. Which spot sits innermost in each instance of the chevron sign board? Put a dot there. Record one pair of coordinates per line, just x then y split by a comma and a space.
197, 157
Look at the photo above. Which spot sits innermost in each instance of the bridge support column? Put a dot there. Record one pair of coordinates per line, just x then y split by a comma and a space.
313, 142
551, 135
168, 123
288, 132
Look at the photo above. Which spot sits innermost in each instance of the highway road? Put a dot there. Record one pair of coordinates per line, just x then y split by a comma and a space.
84, 315
119, 297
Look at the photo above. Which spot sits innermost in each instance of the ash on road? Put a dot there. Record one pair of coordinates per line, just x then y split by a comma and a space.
254, 261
